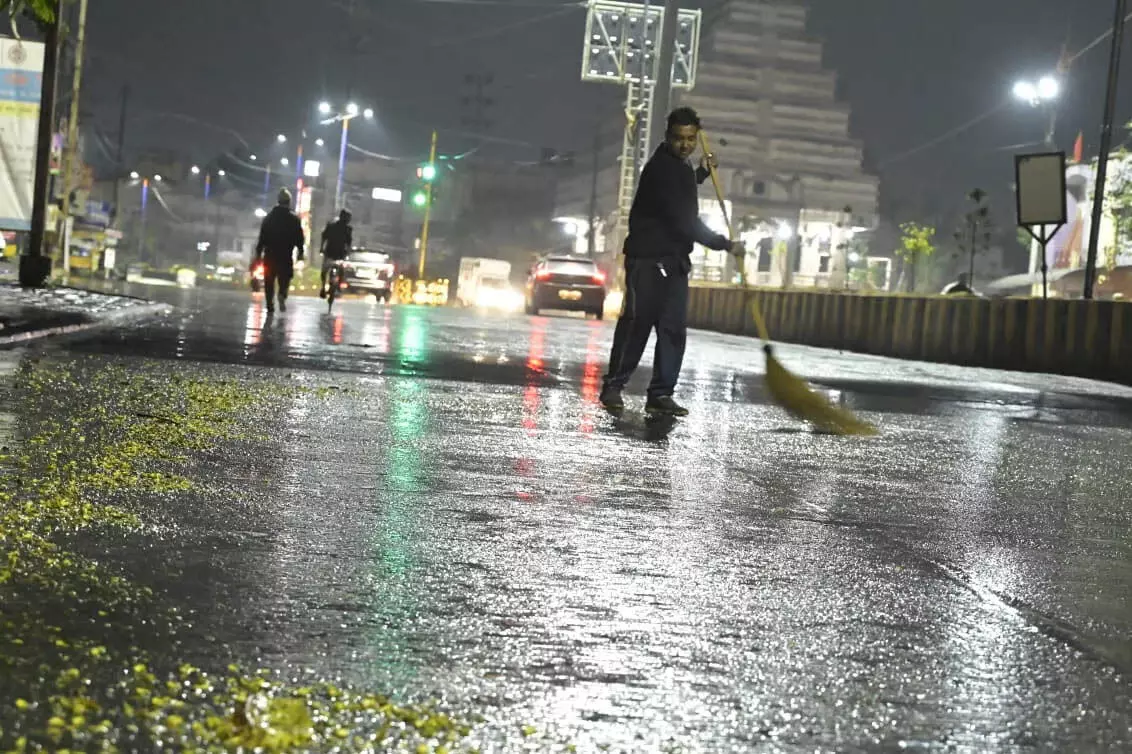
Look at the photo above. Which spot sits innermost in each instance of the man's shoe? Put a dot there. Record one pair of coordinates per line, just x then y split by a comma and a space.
664, 406
282, 304
322, 293
611, 399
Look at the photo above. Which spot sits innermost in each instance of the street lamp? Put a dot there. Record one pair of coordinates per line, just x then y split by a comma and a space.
352, 110
134, 175
194, 170
260, 212
319, 142
157, 177
281, 138
222, 173
1034, 93
284, 161
252, 157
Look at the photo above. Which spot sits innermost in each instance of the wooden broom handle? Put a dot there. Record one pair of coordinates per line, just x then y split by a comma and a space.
715, 185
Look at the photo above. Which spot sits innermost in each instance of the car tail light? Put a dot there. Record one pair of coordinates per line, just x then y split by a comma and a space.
599, 277
544, 275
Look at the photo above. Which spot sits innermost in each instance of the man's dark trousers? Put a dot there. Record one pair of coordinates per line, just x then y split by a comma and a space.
656, 296
279, 270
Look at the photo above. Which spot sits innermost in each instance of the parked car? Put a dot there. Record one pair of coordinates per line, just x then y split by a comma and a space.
568, 284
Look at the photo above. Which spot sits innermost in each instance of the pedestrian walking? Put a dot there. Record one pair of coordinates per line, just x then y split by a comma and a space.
664, 225
280, 234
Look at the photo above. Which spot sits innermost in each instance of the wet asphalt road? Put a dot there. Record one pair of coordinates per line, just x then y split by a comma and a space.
462, 521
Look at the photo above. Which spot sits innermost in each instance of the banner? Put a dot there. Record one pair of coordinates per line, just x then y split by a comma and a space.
21, 76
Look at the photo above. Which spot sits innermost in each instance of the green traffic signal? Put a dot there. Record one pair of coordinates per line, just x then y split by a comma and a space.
428, 172
420, 199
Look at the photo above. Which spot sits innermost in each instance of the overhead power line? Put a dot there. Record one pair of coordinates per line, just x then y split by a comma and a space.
1068, 61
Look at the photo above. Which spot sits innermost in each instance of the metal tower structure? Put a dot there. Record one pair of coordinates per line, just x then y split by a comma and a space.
621, 47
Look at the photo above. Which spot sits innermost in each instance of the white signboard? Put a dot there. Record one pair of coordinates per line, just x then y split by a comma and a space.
386, 195
21, 75
1041, 188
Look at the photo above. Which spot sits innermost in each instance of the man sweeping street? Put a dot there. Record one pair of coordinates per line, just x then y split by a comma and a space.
664, 225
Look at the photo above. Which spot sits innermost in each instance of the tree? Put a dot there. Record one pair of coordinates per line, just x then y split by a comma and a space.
1119, 204
917, 244
974, 234
40, 11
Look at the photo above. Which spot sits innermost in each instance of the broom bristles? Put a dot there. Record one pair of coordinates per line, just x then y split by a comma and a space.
802, 402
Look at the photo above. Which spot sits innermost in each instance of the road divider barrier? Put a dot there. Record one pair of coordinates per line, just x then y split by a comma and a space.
1060, 336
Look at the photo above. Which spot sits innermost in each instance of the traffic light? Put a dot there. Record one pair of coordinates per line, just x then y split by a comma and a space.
427, 172
419, 198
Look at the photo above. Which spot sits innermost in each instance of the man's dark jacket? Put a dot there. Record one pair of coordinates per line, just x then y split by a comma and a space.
664, 222
337, 239
280, 233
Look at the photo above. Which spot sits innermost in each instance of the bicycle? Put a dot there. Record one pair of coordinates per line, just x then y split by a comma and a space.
334, 280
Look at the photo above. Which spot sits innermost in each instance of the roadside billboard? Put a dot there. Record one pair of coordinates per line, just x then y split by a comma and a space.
21, 75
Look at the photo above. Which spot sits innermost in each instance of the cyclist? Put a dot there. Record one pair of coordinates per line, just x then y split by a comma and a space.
280, 235
337, 240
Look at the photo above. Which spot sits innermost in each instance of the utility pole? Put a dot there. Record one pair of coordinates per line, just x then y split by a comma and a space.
427, 211
591, 242
35, 266
662, 94
121, 168
69, 155
1106, 146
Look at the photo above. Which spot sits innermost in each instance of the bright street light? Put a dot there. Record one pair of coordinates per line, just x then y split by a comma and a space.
368, 114
260, 212
1047, 88
157, 177
194, 170
785, 232
252, 157
319, 142
134, 175
854, 257
284, 162
282, 139
222, 173
351, 109
324, 108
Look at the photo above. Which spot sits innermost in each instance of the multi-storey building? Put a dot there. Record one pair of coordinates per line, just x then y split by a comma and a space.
791, 170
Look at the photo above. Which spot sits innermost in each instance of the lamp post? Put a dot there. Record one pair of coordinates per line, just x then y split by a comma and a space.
1041, 93
344, 117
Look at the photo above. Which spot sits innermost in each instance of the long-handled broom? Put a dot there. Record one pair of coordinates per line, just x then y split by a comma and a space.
788, 390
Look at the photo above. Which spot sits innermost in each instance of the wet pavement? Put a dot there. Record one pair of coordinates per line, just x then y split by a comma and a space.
26, 313
430, 504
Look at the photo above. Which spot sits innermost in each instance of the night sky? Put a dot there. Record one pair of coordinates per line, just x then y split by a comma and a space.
910, 69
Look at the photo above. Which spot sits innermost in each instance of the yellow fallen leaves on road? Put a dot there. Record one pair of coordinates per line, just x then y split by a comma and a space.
93, 437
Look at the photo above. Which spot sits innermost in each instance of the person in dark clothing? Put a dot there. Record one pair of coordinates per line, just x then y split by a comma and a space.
337, 241
664, 224
961, 287
279, 235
